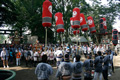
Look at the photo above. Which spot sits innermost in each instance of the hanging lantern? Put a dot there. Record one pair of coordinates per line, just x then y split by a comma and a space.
91, 24
59, 22
102, 30
76, 18
76, 32
115, 37
105, 25
47, 14
83, 22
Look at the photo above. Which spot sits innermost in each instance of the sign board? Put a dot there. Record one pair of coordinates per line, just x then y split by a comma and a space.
116, 61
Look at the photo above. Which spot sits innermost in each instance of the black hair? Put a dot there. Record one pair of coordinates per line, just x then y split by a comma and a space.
66, 57
44, 58
11, 50
89, 56
77, 58
99, 53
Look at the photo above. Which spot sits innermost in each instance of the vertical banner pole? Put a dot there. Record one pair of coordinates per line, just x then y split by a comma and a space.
62, 46
96, 38
87, 37
77, 42
46, 39
61, 39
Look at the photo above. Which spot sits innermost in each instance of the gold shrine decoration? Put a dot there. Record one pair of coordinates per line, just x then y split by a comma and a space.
16, 39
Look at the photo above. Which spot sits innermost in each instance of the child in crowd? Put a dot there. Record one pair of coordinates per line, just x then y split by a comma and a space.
11, 56
18, 56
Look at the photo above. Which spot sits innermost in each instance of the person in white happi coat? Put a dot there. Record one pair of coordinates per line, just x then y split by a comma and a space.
95, 50
59, 56
84, 50
88, 50
51, 56
100, 48
35, 57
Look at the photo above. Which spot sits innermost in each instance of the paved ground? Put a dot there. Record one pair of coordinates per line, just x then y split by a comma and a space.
27, 73
24, 73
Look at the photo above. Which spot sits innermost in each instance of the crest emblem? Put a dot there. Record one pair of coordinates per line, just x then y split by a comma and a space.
50, 9
90, 22
74, 13
81, 19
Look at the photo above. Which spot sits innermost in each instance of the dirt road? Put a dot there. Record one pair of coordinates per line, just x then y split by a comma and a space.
25, 73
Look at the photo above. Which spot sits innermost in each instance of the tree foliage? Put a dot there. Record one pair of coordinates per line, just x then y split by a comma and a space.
2, 38
28, 14
7, 12
30, 18
109, 11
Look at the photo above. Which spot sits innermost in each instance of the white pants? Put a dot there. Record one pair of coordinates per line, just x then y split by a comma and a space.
17, 61
98, 76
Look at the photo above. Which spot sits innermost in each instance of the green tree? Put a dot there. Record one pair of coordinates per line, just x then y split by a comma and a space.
7, 12
29, 15
2, 38
109, 11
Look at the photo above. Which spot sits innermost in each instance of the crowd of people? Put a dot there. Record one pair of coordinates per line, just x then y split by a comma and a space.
98, 62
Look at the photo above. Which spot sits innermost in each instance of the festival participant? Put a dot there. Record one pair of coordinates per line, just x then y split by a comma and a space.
100, 48
4, 57
11, 56
77, 68
22, 53
39, 57
32, 57
65, 69
28, 58
80, 50
98, 66
48, 53
0, 50
43, 52
88, 49
18, 56
64, 51
95, 50
59, 57
111, 58
104, 49
110, 68
105, 66
51, 56
73, 53
26, 55
43, 70
55, 55
88, 64
84, 50
35, 57
68, 51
